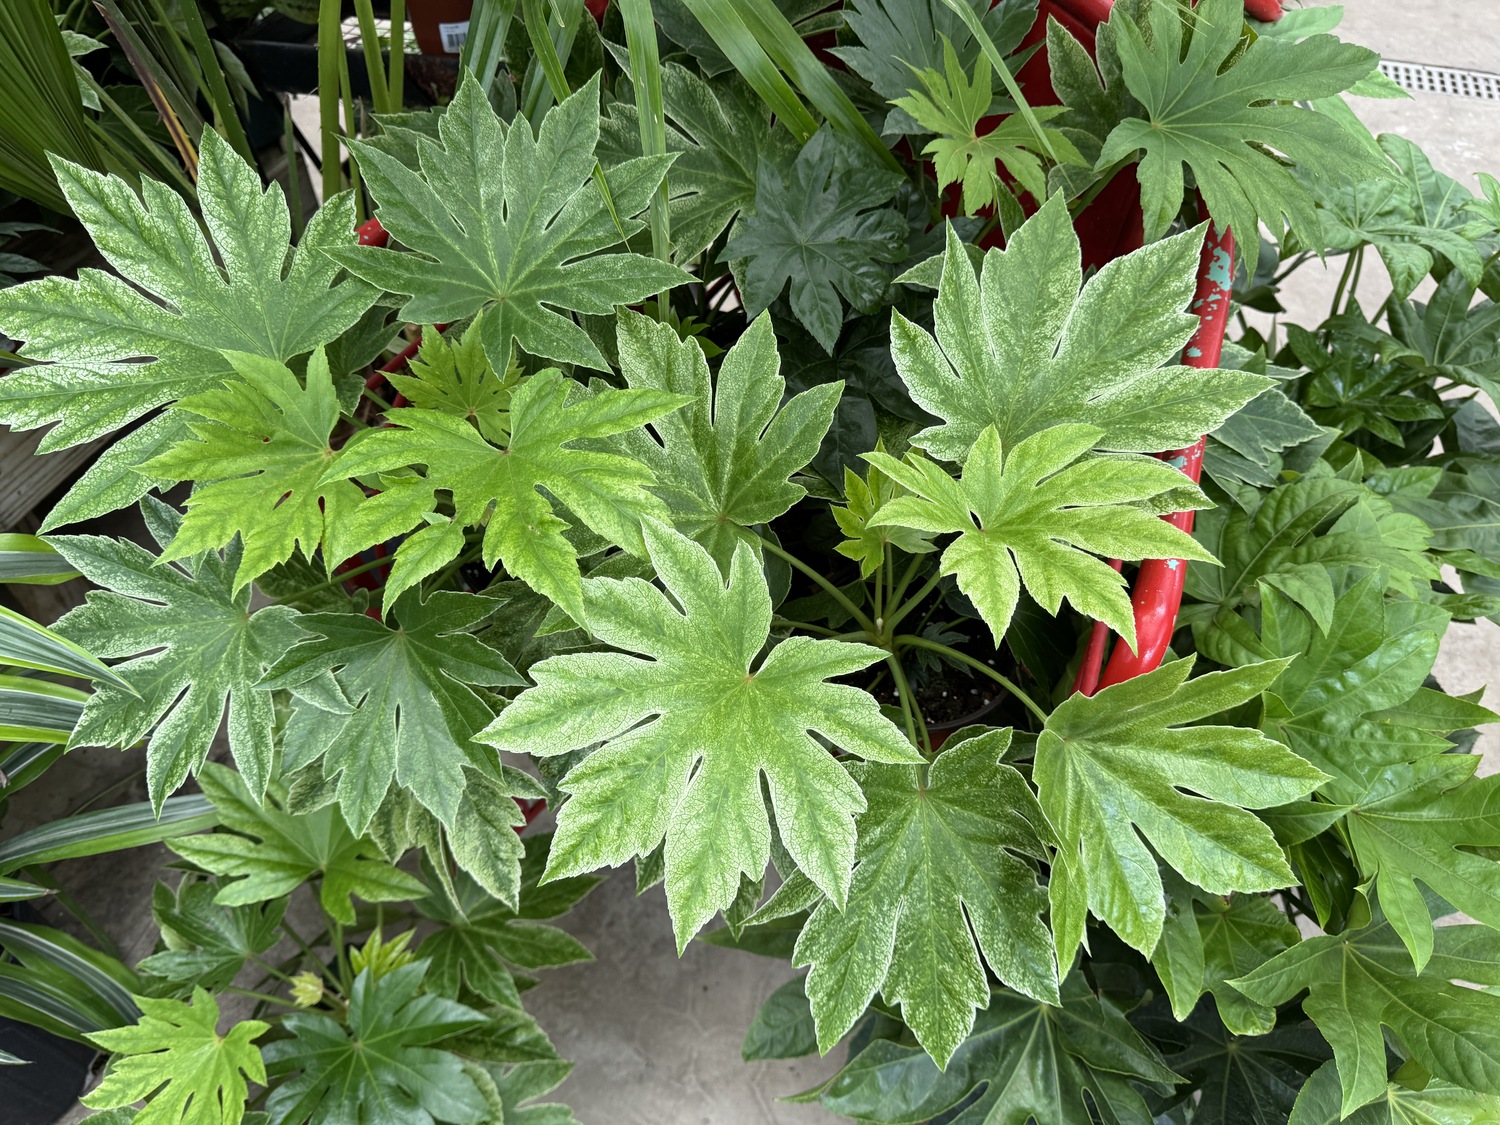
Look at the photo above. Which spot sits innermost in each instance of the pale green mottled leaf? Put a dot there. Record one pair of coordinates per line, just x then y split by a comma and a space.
720, 709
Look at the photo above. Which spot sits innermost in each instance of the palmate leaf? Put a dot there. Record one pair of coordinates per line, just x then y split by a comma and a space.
260, 454
1362, 979
499, 486
208, 944
822, 227
1113, 768
1244, 1079
897, 37
1207, 939
263, 300
1020, 347
268, 853
935, 858
411, 713
1437, 1103
1029, 1061
953, 106
1455, 338
480, 934
1033, 517
720, 132
867, 541
1218, 120
719, 712
455, 378
722, 461
175, 1058
203, 649
384, 1068
508, 222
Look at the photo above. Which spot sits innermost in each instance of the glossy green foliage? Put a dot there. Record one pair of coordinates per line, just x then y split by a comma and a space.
265, 853
1030, 1061
1027, 345
720, 708
1207, 102
207, 943
821, 227
1361, 980
387, 1065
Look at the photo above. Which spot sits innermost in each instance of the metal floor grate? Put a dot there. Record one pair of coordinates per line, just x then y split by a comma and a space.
1443, 80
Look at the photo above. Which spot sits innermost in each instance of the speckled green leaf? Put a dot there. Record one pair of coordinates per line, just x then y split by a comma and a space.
411, 712
1119, 769
203, 649
1021, 348
175, 1058
1437, 1103
719, 709
189, 307
496, 218
935, 860
1039, 515
723, 460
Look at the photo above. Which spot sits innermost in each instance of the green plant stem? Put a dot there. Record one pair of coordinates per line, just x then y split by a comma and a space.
351, 129
908, 706
263, 997
828, 587
819, 629
1338, 294
912, 602
293, 169
1359, 269
340, 579
330, 50
369, 41
376, 399
314, 959
907, 640
226, 117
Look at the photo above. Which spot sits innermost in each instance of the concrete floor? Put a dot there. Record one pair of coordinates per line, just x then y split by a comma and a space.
657, 1038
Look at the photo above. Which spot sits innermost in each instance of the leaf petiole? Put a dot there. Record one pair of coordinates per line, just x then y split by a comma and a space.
978, 665
828, 587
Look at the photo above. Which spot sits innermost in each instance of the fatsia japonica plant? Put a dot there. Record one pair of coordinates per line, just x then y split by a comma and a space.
776, 462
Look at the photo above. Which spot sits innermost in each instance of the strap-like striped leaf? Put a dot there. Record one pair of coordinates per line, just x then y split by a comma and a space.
25, 644
37, 711
108, 830
25, 558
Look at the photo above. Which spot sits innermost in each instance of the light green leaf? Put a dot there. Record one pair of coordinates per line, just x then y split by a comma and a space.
1119, 769
1218, 120
498, 219
499, 487
1038, 517
411, 711
935, 859
260, 454
175, 1058
722, 461
188, 308
204, 648
269, 853
719, 711
1027, 345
